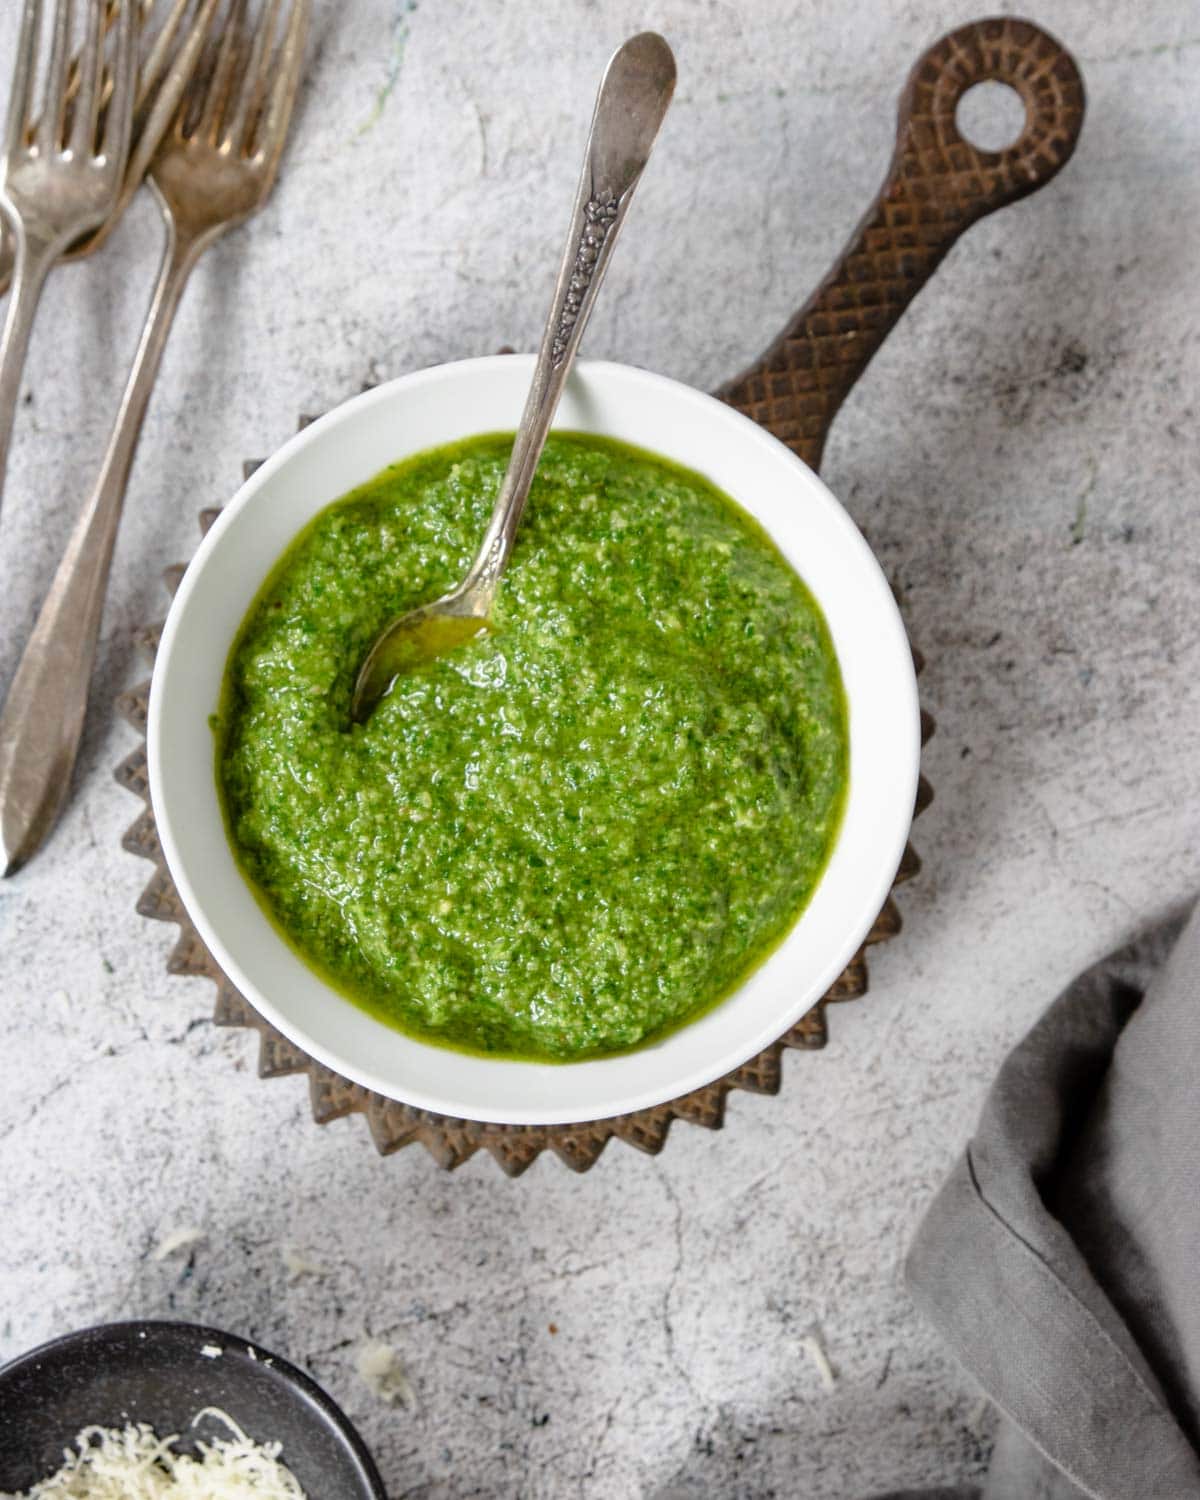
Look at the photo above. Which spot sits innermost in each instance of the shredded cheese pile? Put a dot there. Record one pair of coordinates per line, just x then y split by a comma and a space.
133, 1463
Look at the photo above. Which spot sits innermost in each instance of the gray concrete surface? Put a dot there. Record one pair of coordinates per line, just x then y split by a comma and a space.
1024, 455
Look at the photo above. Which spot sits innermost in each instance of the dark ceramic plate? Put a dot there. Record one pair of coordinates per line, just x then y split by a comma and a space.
158, 1373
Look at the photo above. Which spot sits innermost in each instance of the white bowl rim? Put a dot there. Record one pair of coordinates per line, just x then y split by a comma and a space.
873, 886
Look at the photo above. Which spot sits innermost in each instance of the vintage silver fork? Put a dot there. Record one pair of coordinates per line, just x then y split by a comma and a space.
153, 110
215, 167
59, 178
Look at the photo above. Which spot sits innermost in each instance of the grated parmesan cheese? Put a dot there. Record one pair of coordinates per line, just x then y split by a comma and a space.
133, 1463
297, 1265
977, 1417
178, 1239
379, 1366
814, 1346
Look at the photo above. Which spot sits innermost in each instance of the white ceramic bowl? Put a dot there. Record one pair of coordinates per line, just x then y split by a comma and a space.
439, 406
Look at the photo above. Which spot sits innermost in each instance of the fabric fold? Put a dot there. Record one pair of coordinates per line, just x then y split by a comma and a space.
1061, 1260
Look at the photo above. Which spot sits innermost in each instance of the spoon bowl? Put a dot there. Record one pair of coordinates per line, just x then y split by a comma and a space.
413, 640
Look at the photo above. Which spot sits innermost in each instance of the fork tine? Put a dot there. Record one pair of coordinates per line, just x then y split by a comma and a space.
72, 89
20, 99
91, 77
160, 52
273, 131
49, 128
118, 121
254, 81
169, 96
208, 127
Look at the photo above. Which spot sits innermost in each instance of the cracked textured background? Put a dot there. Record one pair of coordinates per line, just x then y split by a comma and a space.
1023, 454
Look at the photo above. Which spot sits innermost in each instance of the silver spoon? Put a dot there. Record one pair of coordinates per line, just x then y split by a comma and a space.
633, 99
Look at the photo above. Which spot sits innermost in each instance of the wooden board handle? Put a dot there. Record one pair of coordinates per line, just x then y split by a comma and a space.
937, 185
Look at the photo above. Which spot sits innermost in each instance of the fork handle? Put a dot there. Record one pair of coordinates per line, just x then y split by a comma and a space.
35, 255
42, 719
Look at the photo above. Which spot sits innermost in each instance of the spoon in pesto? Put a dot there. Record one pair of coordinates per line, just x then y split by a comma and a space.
634, 94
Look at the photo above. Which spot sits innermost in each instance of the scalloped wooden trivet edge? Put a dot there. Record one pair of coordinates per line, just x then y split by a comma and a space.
451, 1142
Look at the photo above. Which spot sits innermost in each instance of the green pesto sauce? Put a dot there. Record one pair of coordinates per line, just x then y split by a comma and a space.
577, 832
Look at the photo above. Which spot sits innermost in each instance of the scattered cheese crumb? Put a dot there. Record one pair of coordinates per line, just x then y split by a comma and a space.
813, 1346
298, 1266
211, 1351
133, 1463
977, 1417
385, 1377
178, 1239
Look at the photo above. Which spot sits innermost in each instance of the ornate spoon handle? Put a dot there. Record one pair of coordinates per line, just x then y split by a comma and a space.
633, 99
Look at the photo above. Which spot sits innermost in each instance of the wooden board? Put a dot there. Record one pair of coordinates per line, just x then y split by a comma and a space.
937, 186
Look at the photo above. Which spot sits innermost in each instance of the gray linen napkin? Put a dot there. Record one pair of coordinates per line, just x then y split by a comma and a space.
1061, 1260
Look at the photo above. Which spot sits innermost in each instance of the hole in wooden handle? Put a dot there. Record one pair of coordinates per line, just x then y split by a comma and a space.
991, 116
995, 58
